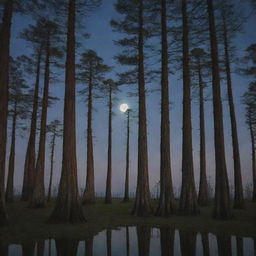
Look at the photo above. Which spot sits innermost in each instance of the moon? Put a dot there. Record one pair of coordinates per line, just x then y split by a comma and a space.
124, 107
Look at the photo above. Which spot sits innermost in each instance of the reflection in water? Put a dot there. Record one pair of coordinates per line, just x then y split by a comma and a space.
89, 247
28, 249
188, 243
138, 241
239, 246
205, 243
143, 234
167, 241
66, 247
40, 248
224, 245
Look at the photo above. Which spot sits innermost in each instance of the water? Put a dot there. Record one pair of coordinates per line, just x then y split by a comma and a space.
138, 241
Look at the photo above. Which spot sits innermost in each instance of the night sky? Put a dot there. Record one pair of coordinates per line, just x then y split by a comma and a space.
102, 42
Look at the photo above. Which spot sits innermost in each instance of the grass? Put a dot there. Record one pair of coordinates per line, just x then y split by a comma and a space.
30, 224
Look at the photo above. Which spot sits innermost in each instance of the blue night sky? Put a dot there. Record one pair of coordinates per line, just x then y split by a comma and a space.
101, 41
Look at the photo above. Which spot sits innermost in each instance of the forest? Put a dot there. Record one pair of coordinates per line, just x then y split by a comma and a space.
140, 110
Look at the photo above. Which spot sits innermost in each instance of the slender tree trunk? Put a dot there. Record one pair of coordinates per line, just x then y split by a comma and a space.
5, 34
166, 203
38, 195
52, 162
142, 205
68, 208
143, 234
126, 189
253, 163
224, 245
222, 207
89, 193
239, 196
9, 194
109, 242
108, 197
29, 167
188, 198
203, 186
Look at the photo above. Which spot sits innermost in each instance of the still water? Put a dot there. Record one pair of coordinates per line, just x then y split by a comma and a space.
141, 241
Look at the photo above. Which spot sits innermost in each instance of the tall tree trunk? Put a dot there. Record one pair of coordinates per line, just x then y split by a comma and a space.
239, 196
5, 34
38, 195
253, 163
222, 207
167, 241
108, 197
142, 205
109, 242
224, 245
29, 167
52, 162
9, 194
188, 198
68, 207
203, 186
66, 247
143, 234
89, 193
166, 203
126, 189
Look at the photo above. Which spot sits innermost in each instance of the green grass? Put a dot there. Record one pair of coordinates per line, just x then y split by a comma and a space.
30, 224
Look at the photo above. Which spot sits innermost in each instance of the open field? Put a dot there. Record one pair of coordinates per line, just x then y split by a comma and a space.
27, 224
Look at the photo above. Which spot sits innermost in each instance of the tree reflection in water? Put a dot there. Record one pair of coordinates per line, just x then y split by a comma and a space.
188, 243
224, 245
167, 241
66, 247
143, 235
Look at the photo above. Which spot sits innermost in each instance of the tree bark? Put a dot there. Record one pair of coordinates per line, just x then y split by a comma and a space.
38, 195
142, 205
239, 196
68, 208
188, 198
9, 194
5, 35
52, 162
166, 203
29, 167
108, 196
89, 193
203, 186
253, 163
222, 209
126, 189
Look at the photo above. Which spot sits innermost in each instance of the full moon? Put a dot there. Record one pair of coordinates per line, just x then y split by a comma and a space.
124, 107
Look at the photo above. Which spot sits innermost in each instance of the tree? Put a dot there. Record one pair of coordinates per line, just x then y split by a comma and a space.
167, 241
55, 131
5, 34
230, 22
166, 203
143, 235
188, 197
65, 247
134, 26
249, 100
68, 207
18, 105
92, 73
187, 243
109, 242
110, 88
49, 38
222, 207
199, 62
